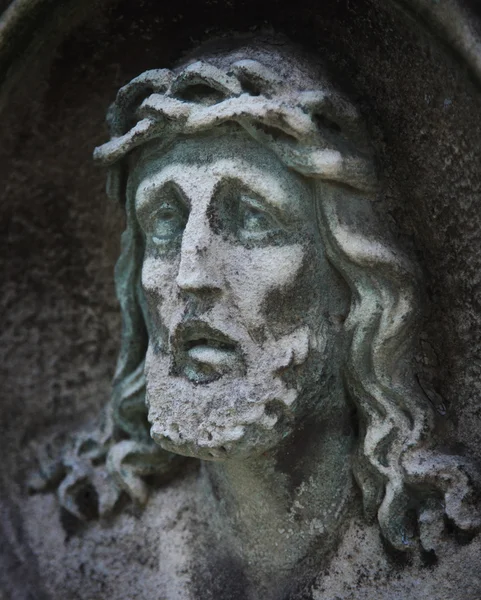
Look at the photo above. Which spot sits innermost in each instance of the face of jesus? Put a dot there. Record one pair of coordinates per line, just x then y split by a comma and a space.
243, 307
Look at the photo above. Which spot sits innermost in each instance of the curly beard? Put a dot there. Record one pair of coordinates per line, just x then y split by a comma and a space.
238, 414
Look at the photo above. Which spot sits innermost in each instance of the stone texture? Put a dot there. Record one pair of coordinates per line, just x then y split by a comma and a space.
61, 331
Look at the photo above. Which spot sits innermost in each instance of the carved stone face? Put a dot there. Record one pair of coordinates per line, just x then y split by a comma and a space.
243, 307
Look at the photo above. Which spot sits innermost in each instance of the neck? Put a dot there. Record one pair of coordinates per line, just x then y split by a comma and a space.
270, 513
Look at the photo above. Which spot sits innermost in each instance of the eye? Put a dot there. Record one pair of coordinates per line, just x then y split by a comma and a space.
167, 223
254, 221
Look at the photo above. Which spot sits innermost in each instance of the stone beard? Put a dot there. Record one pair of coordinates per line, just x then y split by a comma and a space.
243, 307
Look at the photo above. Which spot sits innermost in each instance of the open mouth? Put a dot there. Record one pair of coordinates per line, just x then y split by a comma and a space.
203, 353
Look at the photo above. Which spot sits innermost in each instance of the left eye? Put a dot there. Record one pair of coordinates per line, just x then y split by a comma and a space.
254, 220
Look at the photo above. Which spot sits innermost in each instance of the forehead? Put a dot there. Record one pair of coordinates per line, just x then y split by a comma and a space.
212, 158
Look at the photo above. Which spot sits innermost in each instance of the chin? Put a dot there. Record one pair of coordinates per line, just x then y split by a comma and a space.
239, 442
241, 411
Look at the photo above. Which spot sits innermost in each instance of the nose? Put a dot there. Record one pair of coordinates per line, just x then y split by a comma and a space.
199, 268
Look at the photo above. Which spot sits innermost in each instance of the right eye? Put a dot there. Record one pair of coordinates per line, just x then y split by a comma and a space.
168, 222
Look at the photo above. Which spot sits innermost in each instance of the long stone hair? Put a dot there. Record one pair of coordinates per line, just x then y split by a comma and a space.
287, 104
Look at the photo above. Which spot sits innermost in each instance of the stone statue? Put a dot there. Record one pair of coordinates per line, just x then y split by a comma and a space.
269, 322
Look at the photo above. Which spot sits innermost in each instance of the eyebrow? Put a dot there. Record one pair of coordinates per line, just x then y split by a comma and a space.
151, 192
266, 187
251, 180
245, 189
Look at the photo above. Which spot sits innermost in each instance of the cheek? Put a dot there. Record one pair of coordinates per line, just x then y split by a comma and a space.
159, 287
317, 293
253, 274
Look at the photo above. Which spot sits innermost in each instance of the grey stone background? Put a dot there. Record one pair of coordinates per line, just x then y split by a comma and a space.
60, 235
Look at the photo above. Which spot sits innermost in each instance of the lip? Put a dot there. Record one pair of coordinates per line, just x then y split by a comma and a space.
198, 333
203, 353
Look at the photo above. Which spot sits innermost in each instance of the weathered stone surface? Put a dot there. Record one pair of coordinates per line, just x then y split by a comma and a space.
60, 338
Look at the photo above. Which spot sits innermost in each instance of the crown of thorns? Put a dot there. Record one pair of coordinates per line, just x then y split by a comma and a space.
316, 132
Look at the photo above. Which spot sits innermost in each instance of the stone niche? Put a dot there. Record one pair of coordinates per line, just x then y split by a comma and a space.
358, 479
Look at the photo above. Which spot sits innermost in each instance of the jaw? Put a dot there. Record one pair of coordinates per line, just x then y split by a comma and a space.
233, 416
251, 408
222, 421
